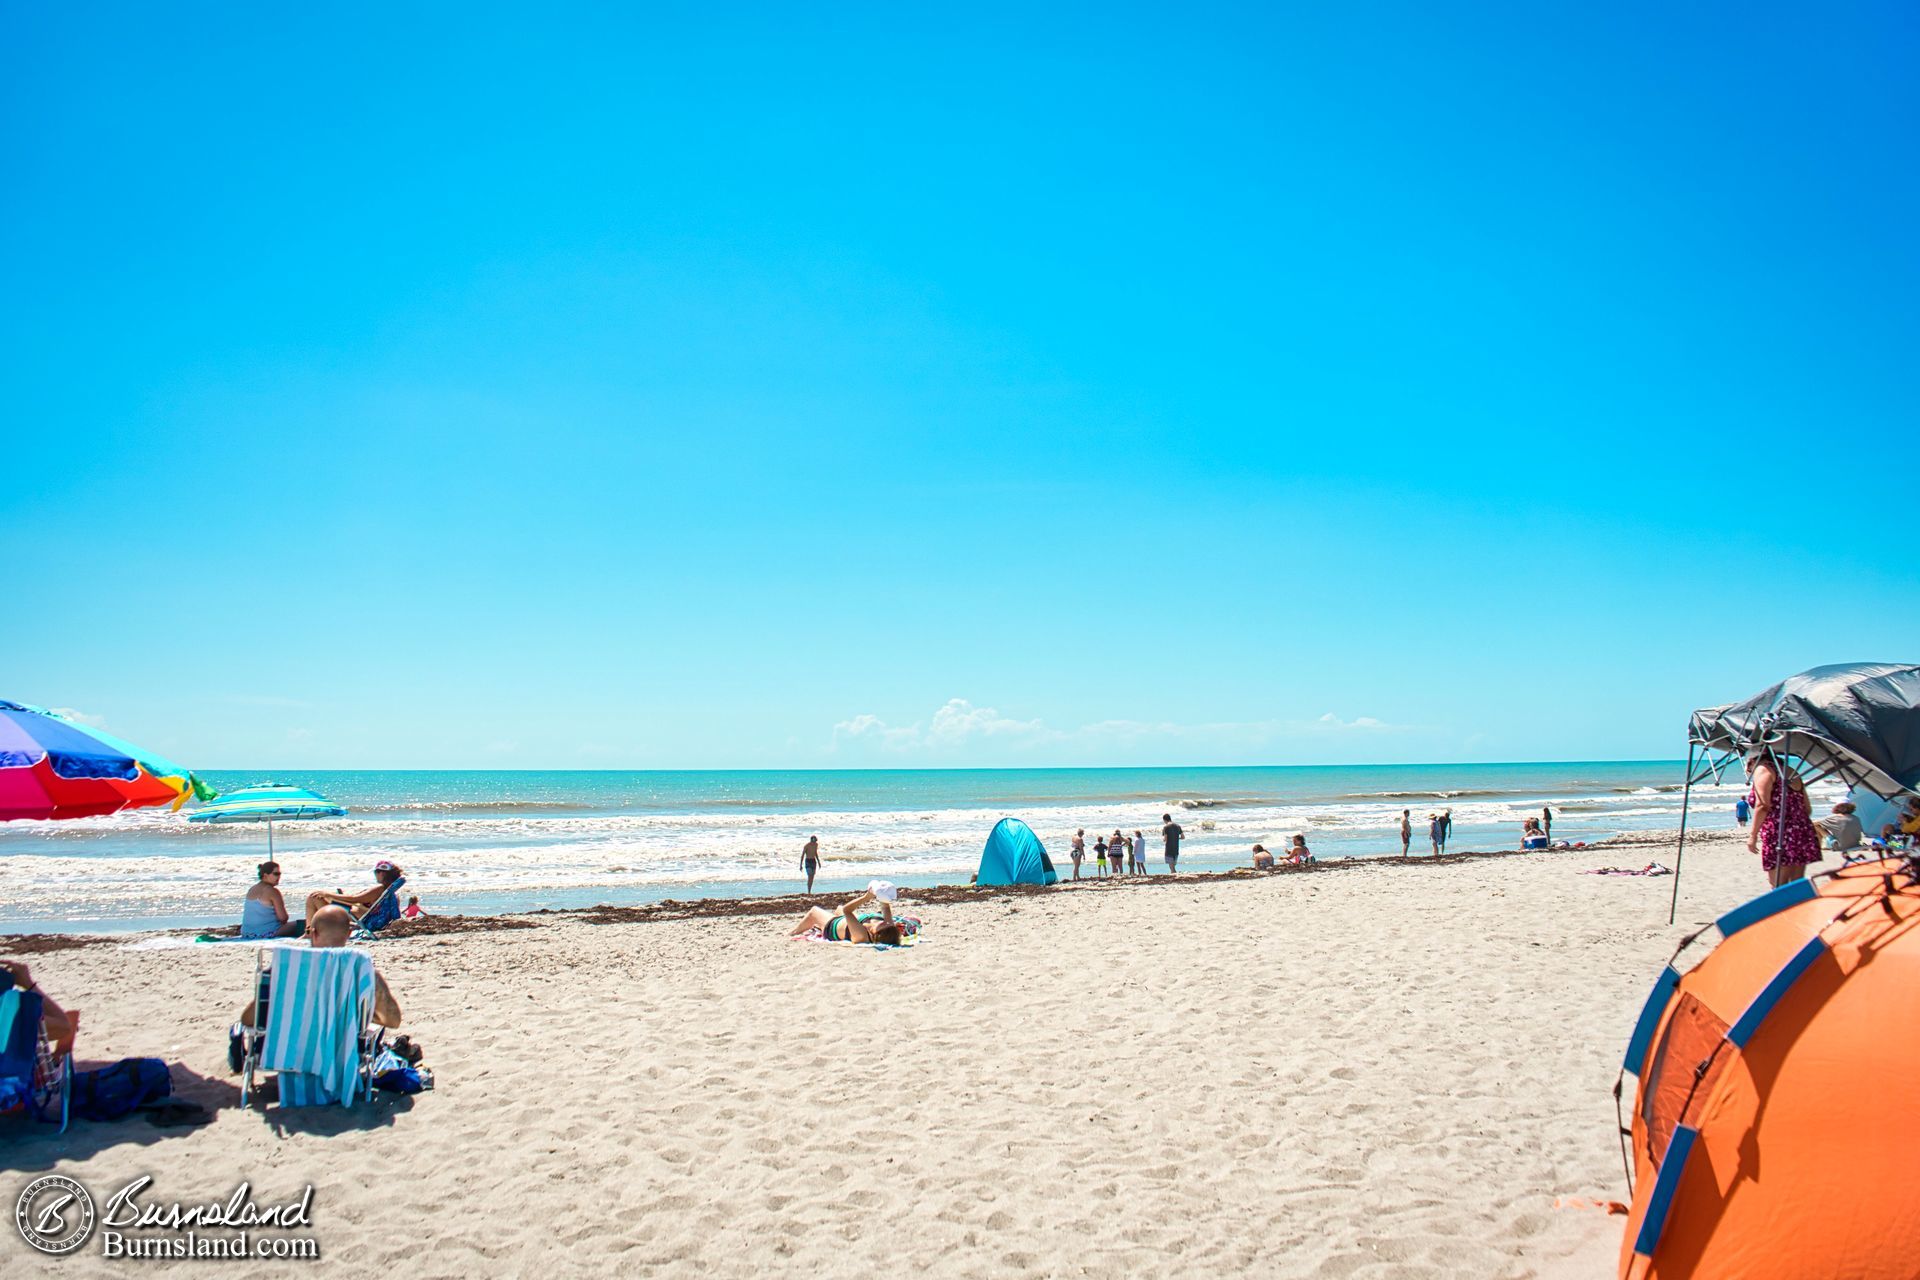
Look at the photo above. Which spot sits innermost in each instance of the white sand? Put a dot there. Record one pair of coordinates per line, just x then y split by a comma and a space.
1379, 1072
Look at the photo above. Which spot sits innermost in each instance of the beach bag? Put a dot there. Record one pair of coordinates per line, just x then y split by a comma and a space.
112, 1093
397, 1072
400, 1080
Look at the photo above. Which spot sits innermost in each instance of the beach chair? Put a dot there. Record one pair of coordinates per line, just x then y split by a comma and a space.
34, 1082
384, 911
312, 1025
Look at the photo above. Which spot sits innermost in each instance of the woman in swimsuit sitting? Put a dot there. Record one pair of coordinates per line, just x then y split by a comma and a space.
384, 874
845, 926
264, 913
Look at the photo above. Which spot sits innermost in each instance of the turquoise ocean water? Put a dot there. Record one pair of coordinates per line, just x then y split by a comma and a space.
488, 842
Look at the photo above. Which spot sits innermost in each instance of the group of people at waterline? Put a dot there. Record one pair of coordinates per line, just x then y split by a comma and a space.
1123, 854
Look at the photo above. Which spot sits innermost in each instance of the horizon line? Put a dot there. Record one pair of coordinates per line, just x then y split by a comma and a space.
1060, 768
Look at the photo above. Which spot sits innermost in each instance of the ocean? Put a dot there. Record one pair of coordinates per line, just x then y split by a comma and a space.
480, 842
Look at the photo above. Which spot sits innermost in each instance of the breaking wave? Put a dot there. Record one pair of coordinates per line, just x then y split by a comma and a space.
481, 852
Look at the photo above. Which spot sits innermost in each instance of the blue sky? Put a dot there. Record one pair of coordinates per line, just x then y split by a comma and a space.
712, 386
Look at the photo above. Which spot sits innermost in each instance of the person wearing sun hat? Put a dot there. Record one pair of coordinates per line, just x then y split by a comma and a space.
384, 874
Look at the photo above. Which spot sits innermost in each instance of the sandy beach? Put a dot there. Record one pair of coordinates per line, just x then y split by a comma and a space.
1375, 1070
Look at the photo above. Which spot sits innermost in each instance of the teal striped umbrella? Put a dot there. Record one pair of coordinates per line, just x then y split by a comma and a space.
269, 804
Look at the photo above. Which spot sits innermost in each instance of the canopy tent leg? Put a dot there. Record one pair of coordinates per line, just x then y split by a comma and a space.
1680, 853
1780, 809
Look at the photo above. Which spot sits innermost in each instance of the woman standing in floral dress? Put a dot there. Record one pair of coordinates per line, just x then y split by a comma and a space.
1783, 836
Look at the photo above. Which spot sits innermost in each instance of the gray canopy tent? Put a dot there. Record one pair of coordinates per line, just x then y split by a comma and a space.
1859, 721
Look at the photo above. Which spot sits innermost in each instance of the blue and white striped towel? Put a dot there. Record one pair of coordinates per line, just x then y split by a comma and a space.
322, 997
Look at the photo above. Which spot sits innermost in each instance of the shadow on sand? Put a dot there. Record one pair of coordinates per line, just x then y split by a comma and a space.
29, 1147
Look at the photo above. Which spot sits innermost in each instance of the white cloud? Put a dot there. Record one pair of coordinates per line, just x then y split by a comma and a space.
954, 724
80, 717
1332, 721
958, 722
872, 729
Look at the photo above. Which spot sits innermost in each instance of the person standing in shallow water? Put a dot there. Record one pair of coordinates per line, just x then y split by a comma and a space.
1446, 828
1546, 821
1140, 850
1079, 850
1433, 832
810, 860
1406, 832
1170, 834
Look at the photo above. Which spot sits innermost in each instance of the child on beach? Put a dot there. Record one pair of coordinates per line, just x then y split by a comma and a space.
413, 909
1100, 854
1140, 850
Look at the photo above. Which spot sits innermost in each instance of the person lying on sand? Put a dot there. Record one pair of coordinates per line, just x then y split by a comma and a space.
59, 1023
845, 926
331, 926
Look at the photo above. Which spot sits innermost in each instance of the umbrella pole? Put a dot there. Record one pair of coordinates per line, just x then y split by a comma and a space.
270, 843
1680, 853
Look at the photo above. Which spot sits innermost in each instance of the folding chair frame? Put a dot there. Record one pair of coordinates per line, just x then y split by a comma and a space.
371, 1037
360, 931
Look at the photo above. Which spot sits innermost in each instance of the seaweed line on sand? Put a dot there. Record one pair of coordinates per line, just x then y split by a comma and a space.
795, 903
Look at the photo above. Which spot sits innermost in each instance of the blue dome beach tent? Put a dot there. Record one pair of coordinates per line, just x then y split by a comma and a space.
1014, 855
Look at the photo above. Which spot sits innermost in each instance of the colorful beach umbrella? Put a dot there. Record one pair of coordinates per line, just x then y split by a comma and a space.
52, 767
270, 803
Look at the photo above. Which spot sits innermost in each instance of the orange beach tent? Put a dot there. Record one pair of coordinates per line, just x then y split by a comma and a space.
1776, 1132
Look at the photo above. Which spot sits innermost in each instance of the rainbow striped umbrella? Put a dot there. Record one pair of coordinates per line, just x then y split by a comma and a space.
269, 803
51, 767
